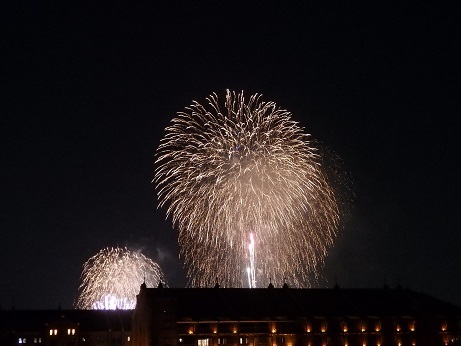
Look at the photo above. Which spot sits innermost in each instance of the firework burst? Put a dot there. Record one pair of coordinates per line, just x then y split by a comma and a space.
111, 279
228, 170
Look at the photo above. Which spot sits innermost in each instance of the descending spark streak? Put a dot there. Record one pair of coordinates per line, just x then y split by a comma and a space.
224, 168
111, 279
251, 269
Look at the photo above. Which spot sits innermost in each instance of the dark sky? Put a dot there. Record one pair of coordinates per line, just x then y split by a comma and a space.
88, 89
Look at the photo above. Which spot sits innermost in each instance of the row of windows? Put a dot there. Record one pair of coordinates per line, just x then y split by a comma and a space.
322, 327
103, 339
70, 332
24, 341
282, 341
221, 341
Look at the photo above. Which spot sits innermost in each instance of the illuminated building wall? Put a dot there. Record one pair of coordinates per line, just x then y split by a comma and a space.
291, 317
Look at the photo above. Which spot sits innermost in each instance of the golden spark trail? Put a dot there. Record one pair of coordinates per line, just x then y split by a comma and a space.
111, 279
226, 168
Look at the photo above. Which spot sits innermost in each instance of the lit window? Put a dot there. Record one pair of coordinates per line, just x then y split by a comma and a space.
20, 341
39, 340
444, 326
51, 331
323, 327
55, 332
35, 340
243, 341
180, 339
129, 339
73, 331
68, 331
202, 342
411, 326
378, 326
222, 341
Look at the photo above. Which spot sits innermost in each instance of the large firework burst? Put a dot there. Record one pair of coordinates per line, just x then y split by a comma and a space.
111, 279
244, 169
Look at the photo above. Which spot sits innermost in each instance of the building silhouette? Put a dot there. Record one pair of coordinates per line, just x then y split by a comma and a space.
245, 317
291, 317
65, 327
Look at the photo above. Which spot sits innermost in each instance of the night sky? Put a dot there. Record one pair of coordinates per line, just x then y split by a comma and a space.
87, 91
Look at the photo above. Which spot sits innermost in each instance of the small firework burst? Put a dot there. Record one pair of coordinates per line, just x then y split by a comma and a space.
111, 279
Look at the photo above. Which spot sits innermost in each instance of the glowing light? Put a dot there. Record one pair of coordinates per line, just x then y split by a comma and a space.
323, 327
251, 269
224, 169
444, 326
412, 326
111, 279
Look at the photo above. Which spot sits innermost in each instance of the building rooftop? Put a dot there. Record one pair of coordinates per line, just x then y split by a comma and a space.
221, 304
89, 320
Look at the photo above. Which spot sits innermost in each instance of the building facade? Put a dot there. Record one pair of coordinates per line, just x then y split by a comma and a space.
291, 317
65, 327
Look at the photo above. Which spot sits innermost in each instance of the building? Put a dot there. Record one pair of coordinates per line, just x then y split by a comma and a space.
245, 317
65, 327
291, 317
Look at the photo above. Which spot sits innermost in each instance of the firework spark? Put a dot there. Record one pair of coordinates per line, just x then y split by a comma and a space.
111, 279
251, 269
227, 170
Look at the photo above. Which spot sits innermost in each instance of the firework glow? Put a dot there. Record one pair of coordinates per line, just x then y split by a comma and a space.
244, 166
111, 279
251, 269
